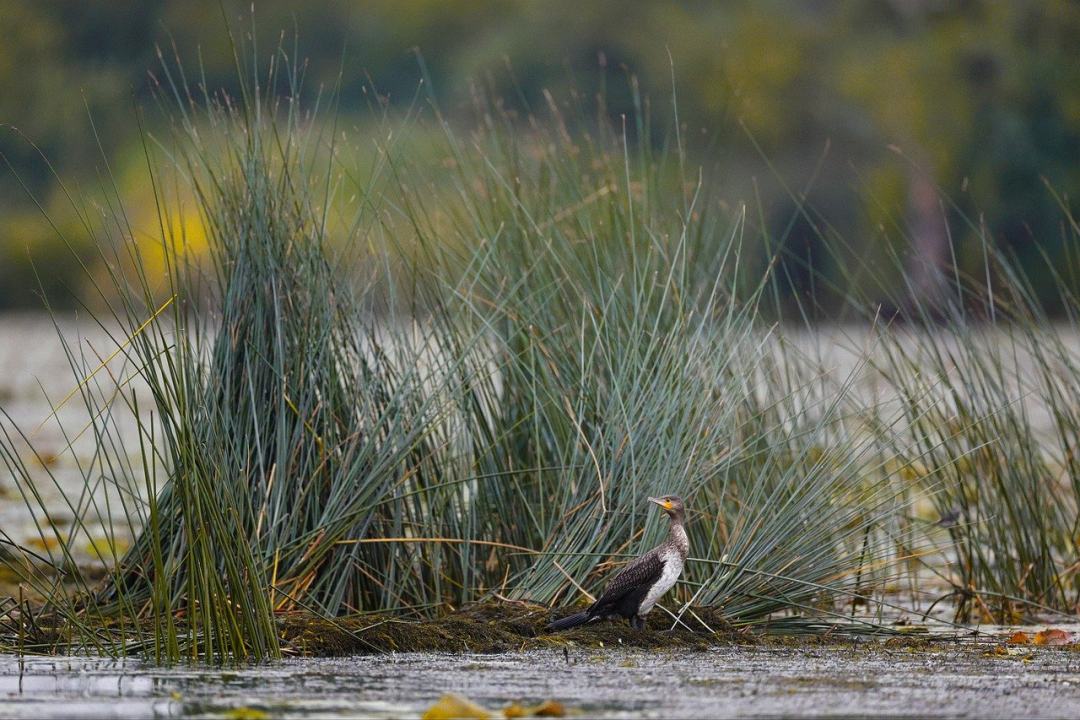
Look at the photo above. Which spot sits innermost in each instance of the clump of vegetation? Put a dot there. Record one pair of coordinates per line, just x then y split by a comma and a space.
464, 384
988, 394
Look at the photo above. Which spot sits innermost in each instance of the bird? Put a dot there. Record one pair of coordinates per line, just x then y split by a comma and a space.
634, 591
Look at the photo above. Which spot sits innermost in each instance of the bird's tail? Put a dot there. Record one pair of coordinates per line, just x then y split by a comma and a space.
568, 622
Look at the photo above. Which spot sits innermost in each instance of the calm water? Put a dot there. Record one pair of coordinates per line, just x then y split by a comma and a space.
735, 682
730, 682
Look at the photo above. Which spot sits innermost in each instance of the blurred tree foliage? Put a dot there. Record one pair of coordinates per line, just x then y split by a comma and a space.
881, 102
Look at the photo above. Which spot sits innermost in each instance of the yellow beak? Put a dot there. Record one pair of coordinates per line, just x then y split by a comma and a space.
666, 504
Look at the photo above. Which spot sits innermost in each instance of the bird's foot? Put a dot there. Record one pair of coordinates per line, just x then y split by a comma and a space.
637, 622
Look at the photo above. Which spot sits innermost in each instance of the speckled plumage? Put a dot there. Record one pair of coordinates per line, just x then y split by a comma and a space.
634, 591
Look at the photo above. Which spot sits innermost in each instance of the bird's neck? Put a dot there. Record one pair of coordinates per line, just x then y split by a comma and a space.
677, 536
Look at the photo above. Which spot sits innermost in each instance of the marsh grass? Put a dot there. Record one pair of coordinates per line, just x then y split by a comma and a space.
991, 403
464, 385
981, 384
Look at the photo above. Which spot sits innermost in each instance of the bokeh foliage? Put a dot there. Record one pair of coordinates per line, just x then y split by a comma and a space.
979, 99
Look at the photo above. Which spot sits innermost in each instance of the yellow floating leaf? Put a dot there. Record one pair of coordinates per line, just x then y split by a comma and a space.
105, 548
548, 708
452, 707
49, 542
247, 713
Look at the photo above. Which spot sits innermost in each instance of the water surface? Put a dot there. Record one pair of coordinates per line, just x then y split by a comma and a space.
611, 682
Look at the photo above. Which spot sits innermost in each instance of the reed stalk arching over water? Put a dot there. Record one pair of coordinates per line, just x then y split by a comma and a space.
465, 384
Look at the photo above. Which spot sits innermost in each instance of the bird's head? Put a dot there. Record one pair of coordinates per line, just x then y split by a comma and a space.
670, 504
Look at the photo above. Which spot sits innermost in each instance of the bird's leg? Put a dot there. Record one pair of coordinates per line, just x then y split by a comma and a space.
637, 622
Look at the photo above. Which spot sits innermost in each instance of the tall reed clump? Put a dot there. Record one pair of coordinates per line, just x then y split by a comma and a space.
632, 361
309, 439
289, 424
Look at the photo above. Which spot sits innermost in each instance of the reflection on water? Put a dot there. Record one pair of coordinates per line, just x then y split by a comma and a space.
760, 681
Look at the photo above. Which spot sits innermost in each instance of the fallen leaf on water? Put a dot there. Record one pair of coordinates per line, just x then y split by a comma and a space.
548, 708
1001, 651
57, 521
48, 542
451, 706
1019, 638
455, 706
1052, 636
104, 548
247, 713
46, 458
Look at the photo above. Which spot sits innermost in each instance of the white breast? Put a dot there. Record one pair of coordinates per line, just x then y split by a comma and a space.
673, 565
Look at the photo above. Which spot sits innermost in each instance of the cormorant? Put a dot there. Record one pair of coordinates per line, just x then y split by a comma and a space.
634, 591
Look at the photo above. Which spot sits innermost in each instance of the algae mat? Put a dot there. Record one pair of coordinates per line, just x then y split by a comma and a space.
737, 681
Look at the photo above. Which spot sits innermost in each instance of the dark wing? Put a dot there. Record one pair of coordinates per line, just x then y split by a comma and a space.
625, 591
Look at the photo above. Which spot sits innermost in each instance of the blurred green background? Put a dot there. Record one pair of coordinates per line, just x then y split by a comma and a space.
904, 124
